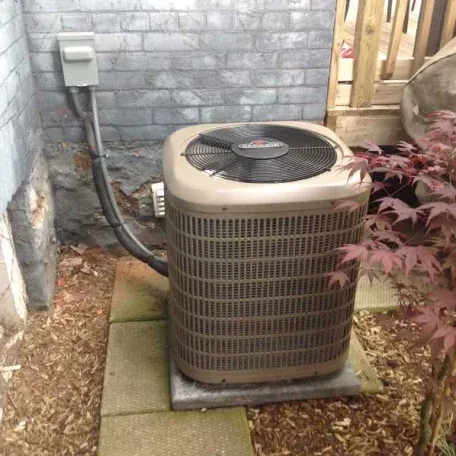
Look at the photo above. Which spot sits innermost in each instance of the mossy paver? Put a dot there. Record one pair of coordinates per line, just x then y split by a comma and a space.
220, 432
370, 383
137, 369
375, 298
136, 415
139, 293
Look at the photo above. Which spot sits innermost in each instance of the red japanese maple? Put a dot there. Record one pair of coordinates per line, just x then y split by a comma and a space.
415, 246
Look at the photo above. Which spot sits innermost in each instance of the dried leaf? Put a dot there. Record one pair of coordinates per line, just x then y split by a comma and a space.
71, 262
80, 248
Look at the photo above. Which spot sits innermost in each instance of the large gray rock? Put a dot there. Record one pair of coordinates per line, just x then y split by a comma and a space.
31, 213
132, 166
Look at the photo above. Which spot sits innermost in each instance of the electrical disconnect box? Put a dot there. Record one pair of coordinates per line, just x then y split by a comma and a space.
79, 62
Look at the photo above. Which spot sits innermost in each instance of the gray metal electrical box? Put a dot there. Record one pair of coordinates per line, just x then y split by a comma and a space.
79, 61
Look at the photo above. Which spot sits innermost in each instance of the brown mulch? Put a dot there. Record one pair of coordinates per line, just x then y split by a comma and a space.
381, 424
54, 399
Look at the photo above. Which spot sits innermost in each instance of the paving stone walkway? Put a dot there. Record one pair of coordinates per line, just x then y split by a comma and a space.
136, 415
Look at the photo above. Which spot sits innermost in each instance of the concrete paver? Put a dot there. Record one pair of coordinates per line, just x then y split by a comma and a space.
375, 298
220, 432
139, 293
137, 372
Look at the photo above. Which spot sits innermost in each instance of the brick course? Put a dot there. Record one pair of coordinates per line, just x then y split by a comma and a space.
188, 61
19, 121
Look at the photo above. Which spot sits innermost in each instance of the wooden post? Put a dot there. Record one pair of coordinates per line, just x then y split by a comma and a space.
366, 45
449, 22
338, 41
395, 39
422, 33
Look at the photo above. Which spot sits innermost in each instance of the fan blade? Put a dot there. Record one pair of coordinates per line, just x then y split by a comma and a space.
215, 142
213, 165
208, 152
227, 135
223, 167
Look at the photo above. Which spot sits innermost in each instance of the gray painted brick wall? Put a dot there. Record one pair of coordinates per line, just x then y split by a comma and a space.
19, 121
25, 189
168, 63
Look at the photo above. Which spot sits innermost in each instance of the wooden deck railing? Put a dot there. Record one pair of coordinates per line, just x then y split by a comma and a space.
370, 84
396, 35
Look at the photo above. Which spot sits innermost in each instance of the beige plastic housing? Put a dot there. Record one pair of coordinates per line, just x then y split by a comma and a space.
197, 190
249, 299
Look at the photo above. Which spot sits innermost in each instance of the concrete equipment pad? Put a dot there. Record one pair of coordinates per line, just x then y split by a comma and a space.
139, 293
187, 394
137, 373
221, 432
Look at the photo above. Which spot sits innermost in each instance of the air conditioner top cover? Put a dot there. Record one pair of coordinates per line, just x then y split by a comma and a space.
231, 167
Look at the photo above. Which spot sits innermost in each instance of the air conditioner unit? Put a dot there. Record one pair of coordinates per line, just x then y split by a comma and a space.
252, 229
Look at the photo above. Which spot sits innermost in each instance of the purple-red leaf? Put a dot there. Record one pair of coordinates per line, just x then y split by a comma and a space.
389, 236
445, 192
428, 261
449, 341
443, 299
429, 322
405, 147
354, 252
409, 256
437, 209
372, 147
402, 210
337, 277
349, 205
356, 165
381, 222
441, 332
387, 259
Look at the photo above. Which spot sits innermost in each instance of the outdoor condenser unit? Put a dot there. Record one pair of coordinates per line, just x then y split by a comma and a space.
252, 227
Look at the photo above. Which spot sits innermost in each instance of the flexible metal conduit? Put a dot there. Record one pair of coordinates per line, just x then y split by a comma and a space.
104, 189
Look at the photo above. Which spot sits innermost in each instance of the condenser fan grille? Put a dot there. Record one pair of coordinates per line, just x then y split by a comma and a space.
261, 153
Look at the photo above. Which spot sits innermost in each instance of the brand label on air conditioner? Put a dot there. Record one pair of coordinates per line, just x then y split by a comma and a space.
260, 144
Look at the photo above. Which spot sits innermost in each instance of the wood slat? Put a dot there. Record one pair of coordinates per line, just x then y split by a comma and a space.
382, 93
422, 33
366, 45
402, 71
374, 110
355, 131
331, 122
395, 39
338, 41
449, 22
